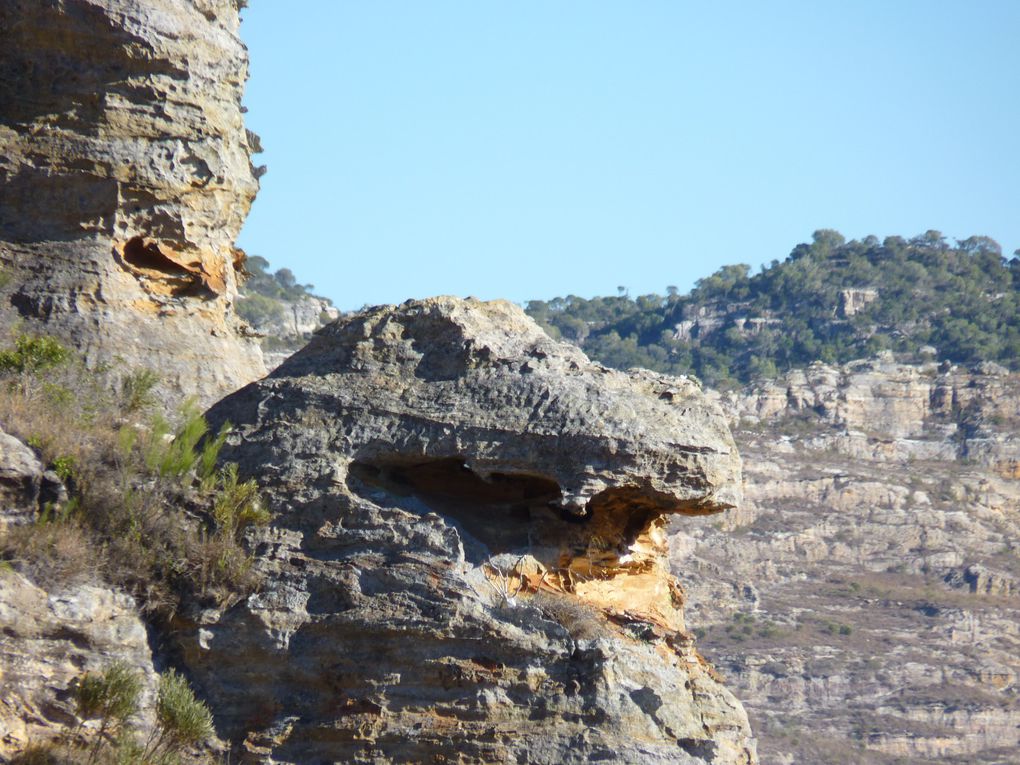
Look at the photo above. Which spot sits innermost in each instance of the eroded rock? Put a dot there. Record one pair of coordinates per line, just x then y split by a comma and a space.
124, 180
879, 533
468, 558
48, 640
26, 486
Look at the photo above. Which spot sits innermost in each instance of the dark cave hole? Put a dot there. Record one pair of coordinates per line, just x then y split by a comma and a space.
502, 510
141, 255
511, 512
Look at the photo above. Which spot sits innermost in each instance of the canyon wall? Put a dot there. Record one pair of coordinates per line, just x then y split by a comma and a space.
468, 556
865, 601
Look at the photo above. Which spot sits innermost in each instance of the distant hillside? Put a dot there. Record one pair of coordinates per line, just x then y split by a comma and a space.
280, 309
830, 300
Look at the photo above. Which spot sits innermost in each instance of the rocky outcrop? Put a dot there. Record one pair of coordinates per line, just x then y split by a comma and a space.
864, 601
48, 640
468, 558
288, 326
296, 319
853, 301
26, 486
124, 180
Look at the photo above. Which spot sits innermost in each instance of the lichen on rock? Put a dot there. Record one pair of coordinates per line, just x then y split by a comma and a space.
468, 546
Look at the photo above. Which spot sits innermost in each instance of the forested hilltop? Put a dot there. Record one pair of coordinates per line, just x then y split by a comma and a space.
830, 300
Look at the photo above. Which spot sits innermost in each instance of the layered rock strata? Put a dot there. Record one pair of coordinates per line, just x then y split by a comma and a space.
468, 559
865, 600
124, 180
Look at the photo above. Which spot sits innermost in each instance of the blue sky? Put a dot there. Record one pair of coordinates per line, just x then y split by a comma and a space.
542, 148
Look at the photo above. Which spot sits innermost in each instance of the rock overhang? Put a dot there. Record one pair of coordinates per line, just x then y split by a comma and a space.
463, 505
446, 378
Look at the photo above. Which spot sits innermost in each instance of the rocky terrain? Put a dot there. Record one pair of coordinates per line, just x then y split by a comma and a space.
865, 601
288, 326
484, 547
124, 179
468, 544
48, 639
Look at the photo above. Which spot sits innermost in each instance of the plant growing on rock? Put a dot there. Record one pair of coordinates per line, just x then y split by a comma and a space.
149, 508
112, 697
181, 719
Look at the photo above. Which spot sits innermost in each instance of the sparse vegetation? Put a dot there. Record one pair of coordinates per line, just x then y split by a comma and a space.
113, 697
181, 719
149, 508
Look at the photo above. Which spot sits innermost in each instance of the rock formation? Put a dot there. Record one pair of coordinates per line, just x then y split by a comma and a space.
49, 638
468, 558
124, 180
865, 600
26, 487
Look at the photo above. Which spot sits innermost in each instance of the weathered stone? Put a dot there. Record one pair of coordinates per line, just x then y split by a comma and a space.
879, 537
467, 561
50, 639
26, 487
124, 180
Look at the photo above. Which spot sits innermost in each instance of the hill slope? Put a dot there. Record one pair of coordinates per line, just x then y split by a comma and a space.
830, 300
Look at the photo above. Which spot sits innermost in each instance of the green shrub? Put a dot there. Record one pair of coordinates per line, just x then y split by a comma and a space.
112, 697
33, 354
181, 719
259, 309
238, 503
136, 390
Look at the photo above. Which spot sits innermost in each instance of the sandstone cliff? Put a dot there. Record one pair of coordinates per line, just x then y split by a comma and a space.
124, 180
864, 602
468, 558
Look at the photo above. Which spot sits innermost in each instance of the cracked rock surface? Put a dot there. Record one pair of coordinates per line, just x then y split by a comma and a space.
124, 180
468, 560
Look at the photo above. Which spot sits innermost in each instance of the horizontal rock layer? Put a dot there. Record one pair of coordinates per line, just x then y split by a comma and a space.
124, 180
865, 600
467, 561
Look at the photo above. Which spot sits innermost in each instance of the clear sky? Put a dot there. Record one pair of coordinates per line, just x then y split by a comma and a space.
539, 148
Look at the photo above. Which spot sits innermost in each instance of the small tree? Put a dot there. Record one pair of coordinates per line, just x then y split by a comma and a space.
112, 697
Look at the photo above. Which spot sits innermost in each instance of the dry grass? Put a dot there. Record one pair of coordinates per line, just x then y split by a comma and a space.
148, 511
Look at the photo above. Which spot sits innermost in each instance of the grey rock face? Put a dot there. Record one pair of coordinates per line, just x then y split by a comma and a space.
468, 558
25, 485
124, 180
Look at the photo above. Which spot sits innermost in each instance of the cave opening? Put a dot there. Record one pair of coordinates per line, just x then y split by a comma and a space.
501, 510
147, 256
147, 259
611, 553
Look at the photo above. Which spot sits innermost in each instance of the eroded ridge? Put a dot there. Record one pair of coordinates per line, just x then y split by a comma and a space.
468, 546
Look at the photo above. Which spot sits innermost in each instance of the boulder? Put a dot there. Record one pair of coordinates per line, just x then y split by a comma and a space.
468, 556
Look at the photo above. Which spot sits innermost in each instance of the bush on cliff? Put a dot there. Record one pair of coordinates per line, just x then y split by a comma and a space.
149, 508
